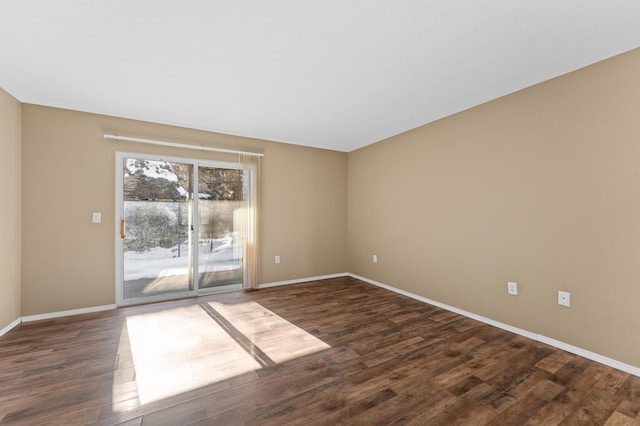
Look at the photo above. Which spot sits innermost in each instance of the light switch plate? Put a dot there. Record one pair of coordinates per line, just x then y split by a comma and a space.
96, 217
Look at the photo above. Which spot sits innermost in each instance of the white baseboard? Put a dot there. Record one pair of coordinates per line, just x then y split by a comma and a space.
531, 335
9, 327
303, 280
60, 314
627, 368
30, 318
590, 355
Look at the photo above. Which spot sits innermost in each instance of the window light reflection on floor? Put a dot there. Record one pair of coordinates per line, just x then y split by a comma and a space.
276, 337
185, 348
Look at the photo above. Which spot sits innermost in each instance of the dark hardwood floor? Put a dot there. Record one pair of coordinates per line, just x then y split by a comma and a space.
338, 351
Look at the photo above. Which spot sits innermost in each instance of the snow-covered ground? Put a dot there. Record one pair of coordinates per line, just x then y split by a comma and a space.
154, 263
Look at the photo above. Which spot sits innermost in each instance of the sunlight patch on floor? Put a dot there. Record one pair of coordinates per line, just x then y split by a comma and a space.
276, 337
182, 349
177, 350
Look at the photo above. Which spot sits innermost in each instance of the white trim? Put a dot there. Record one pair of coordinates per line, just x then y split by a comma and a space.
180, 145
119, 164
590, 355
60, 314
627, 368
304, 280
10, 327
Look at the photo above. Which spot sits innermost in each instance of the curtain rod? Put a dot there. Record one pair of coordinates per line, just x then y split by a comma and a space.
179, 145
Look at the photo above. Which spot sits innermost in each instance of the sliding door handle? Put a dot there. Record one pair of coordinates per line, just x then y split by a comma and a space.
122, 228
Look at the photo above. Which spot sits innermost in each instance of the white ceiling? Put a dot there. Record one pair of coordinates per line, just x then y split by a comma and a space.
334, 74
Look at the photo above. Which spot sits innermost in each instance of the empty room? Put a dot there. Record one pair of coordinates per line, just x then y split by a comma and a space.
269, 213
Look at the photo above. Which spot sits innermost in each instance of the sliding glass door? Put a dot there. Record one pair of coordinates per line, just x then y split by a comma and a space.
170, 227
220, 196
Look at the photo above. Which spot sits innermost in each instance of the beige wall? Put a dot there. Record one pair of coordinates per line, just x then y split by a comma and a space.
541, 187
10, 213
69, 172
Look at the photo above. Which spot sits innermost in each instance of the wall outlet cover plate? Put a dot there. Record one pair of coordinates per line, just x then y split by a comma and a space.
564, 298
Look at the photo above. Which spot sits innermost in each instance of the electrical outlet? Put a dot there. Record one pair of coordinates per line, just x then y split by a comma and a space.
564, 298
512, 288
96, 217
277, 259
375, 258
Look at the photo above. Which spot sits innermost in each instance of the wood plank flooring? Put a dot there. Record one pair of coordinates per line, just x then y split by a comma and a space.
337, 351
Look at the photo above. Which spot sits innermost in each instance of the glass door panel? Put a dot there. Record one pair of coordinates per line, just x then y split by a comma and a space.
220, 194
157, 228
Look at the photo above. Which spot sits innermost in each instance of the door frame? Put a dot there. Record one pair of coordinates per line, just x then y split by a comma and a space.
119, 215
